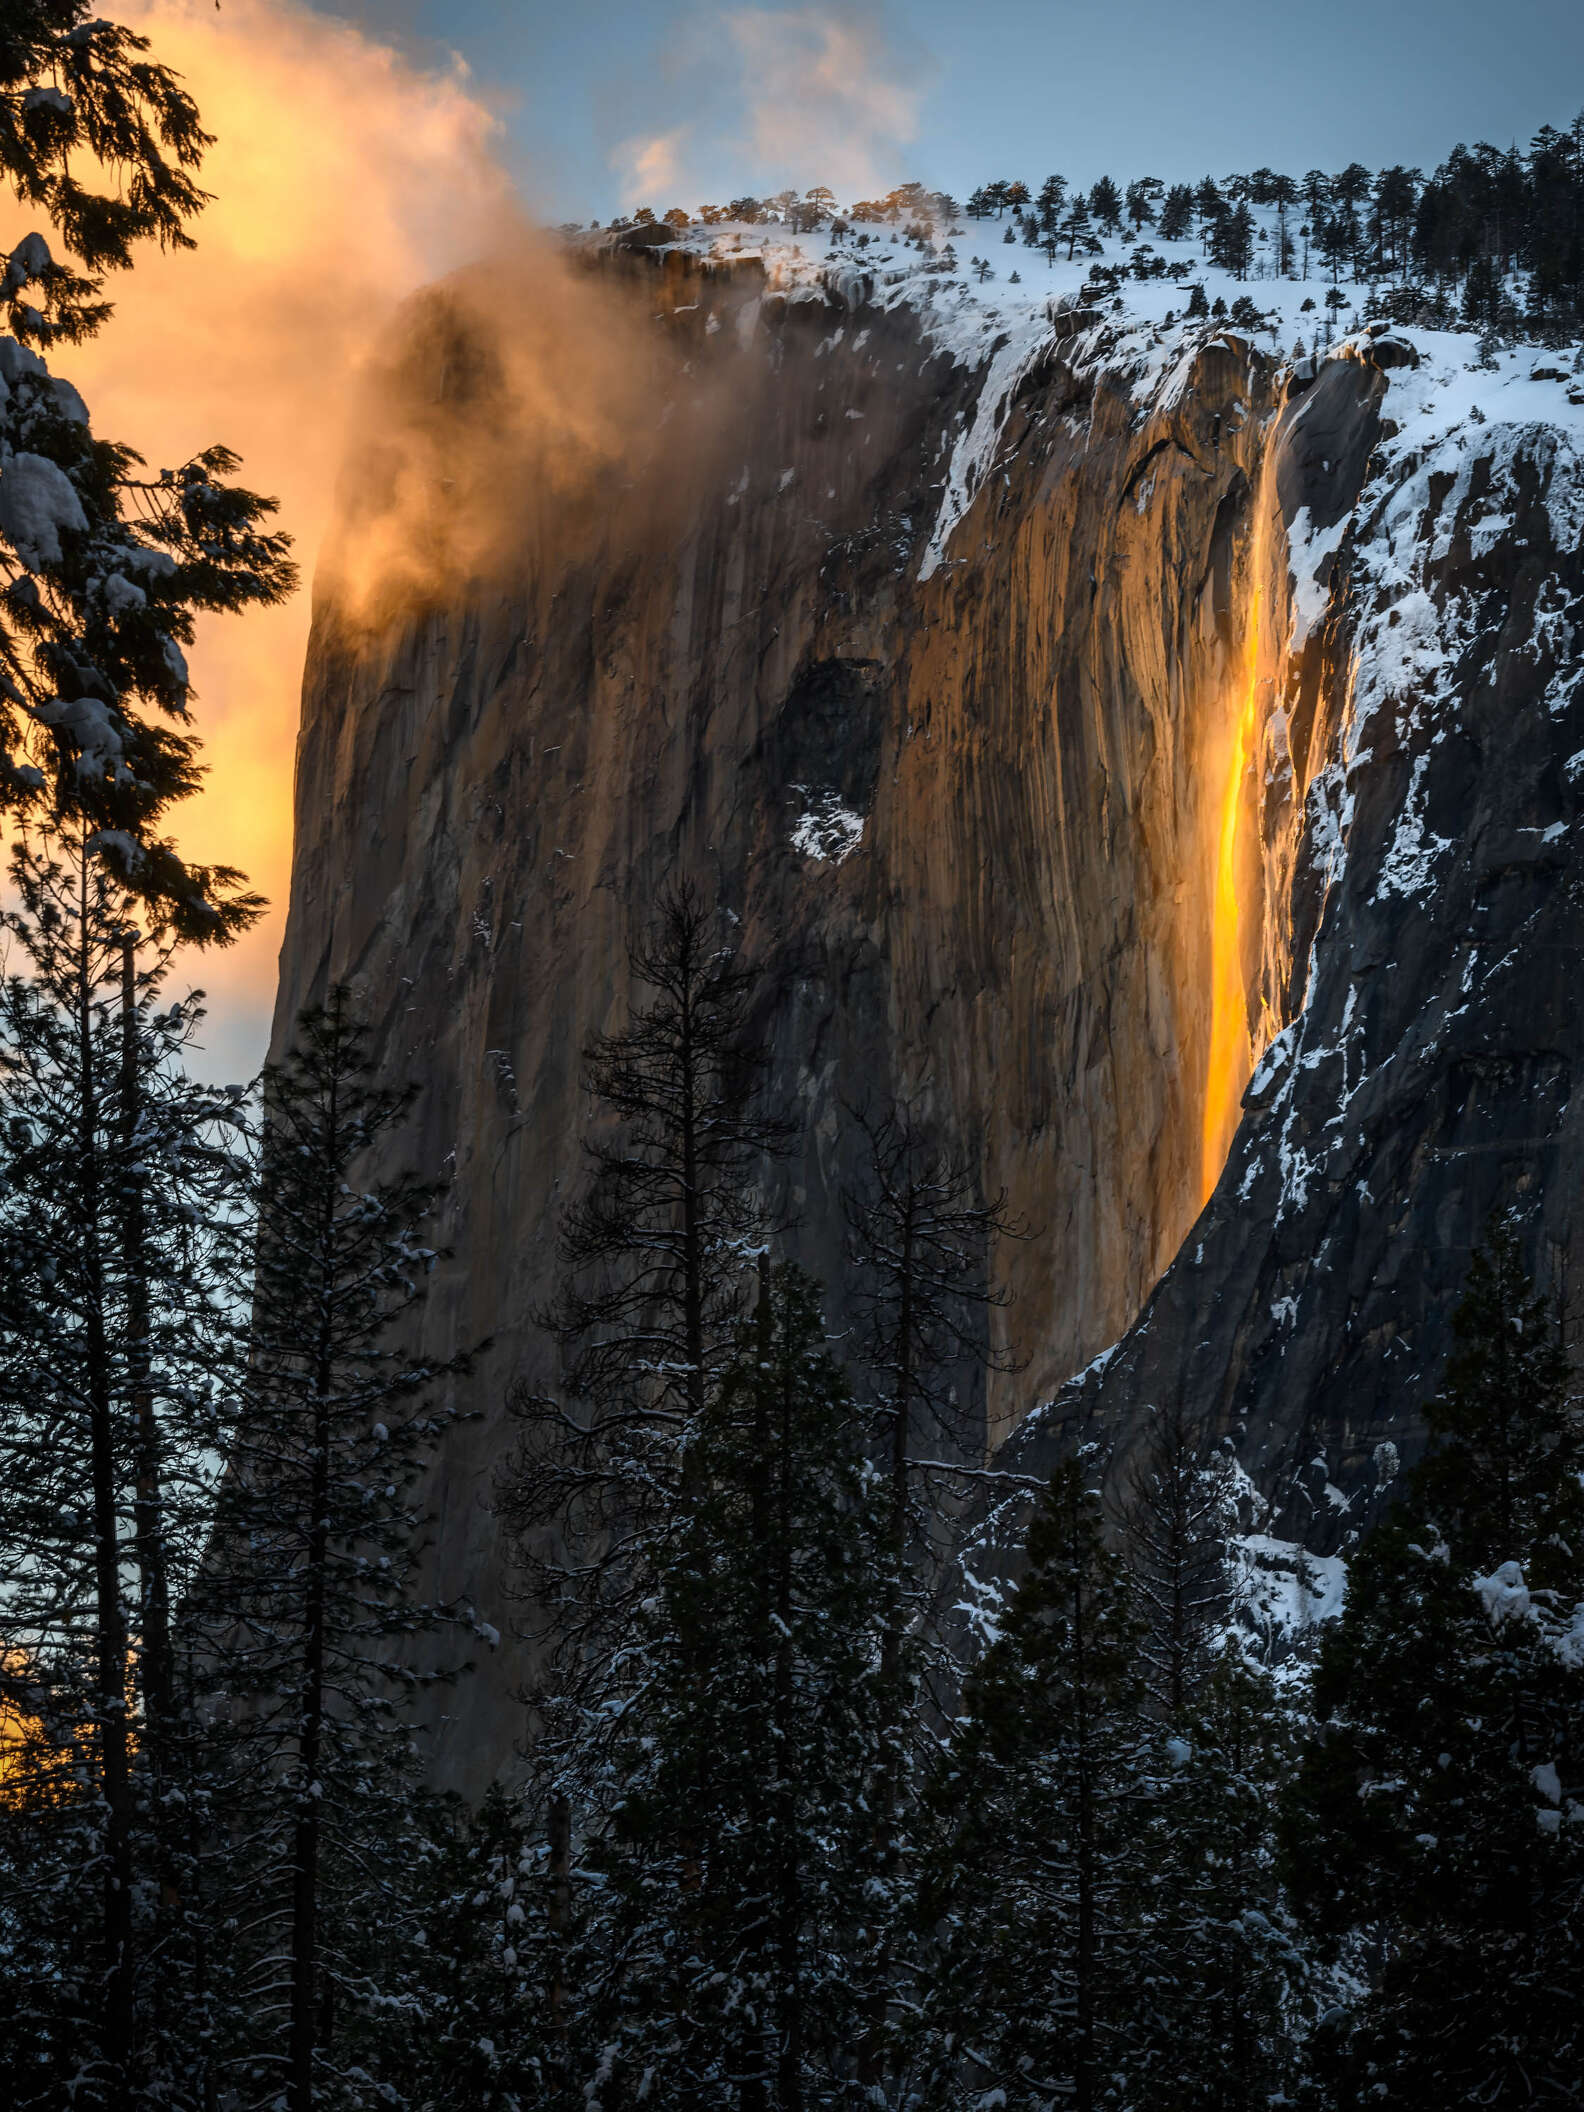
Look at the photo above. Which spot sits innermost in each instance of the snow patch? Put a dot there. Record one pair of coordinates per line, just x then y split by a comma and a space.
828, 832
1310, 550
38, 502
1504, 1594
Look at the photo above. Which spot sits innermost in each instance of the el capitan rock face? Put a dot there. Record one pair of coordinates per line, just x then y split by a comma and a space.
967, 794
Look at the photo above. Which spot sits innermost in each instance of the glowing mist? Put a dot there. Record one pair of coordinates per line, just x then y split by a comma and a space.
342, 179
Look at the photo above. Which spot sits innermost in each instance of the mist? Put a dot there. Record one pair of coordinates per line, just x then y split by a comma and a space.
342, 176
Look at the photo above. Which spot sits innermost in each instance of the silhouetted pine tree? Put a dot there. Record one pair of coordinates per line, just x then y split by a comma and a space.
1177, 1515
476, 2034
1105, 203
1225, 1985
310, 1612
1441, 1806
120, 1197
105, 567
1177, 211
920, 1248
1031, 1907
657, 1258
728, 1928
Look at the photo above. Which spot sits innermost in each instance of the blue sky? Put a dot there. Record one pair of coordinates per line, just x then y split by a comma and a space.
669, 102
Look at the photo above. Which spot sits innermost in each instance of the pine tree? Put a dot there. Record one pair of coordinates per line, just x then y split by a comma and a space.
119, 1214
310, 1603
1439, 1807
1177, 211
477, 2030
920, 1247
1105, 203
1227, 1983
1048, 205
1076, 225
735, 1857
1143, 196
1228, 1987
657, 1271
103, 572
1178, 1513
104, 569
1031, 1899
1231, 242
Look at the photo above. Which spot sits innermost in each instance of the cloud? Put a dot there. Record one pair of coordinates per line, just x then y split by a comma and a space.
829, 96
651, 168
346, 174
343, 176
778, 98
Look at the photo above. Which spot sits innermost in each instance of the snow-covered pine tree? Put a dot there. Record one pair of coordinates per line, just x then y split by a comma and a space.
121, 1191
310, 1614
657, 1257
1225, 1983
1440, 1809
920, 1249
1228, 1985
103, 568
1177, 1517
733, 1869
101, 572
1031, 1903
475, 2032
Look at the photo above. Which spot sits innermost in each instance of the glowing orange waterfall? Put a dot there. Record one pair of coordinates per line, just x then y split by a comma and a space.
1231, 1051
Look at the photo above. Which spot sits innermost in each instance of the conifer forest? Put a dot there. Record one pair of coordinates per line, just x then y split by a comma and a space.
876, 1403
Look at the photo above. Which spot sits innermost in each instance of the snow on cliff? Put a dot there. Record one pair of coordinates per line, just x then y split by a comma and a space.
1003, 321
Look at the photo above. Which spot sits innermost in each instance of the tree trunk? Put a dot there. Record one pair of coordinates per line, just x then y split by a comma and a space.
148, 1538
308, 2016
871, 2057
1083, 2054
110, 1621
789, 1961
560, 1829
758, 2064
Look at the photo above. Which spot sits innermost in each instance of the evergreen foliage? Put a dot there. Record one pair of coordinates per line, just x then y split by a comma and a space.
1439, 1809
920, 1246
1178, 1515
101, 569
732, 1870
311, 1600
657, 1263
1031, 1894
121, 1185
1231, 1987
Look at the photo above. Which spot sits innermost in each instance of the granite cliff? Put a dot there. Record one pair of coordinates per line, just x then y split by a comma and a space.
1069, 719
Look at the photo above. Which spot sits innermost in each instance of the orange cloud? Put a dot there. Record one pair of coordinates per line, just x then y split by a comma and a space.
344, 177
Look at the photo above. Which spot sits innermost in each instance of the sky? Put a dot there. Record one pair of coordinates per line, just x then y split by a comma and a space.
367, 148
736, 97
